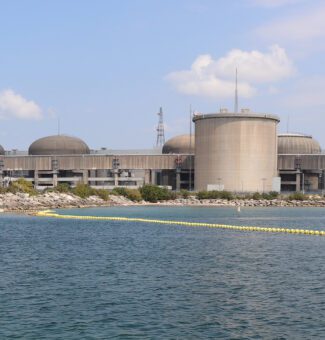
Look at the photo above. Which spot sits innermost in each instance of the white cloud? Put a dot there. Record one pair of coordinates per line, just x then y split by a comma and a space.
255, 66
302, 26
274, 3
13, 105
215, 78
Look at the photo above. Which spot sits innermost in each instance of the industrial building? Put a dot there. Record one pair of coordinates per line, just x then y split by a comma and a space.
236, 152
239, 152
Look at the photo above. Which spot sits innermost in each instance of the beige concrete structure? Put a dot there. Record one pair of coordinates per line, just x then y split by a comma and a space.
235, 151
297, 144
101, 171
183, 144
59, 145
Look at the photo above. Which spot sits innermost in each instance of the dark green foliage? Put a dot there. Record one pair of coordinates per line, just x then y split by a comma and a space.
131, 194
297, 196
83, 190
184, 193
134, 195
256, 196
214, 194
21, 185
119, 191
62, 187
154, 193
270, 196
102, 193
201, 195
273, 194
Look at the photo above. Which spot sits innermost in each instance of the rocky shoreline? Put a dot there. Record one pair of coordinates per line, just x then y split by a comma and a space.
22, 202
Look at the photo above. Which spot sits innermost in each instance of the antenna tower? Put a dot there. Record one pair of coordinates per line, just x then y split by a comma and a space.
236, 95
160, 129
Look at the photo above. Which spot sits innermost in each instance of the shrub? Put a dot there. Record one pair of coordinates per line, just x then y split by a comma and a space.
154, 193
21, 185
102, 193
273, 194
173, 195
62, 187
131, 194
214, 194
201, 195
3, 190
226, 195
184, 193
134, 195
297, 196
83, 190
256, 196
119, 191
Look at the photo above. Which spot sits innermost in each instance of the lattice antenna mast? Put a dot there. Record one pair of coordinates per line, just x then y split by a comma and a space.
160, 129
236, 95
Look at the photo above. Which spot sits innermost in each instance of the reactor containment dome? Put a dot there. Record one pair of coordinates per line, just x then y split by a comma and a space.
58, 145
182, 144
294, 143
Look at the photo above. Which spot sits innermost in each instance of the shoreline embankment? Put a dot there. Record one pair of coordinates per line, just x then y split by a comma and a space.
23, 202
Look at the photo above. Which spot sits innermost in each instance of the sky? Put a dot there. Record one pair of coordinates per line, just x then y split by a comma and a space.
102, 68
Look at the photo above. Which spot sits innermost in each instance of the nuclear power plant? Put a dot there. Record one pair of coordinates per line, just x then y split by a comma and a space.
238, 152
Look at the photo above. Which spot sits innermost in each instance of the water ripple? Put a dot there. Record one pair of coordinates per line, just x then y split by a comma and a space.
63, 279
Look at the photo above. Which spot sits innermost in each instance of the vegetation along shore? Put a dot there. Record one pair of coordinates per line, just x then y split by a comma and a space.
21, 196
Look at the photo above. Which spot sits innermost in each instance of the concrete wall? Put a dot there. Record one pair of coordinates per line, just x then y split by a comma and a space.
235, 152
95, 162
305, 162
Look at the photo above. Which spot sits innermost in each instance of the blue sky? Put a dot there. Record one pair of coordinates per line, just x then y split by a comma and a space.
105, 67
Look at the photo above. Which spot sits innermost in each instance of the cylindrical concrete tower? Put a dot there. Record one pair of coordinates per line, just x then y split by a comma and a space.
235, 151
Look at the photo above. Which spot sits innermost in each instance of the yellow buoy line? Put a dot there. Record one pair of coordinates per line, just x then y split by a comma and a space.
50, 213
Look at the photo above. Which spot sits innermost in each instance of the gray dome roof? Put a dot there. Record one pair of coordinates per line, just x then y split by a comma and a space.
58, 145
2, 150
294, 143
179, 144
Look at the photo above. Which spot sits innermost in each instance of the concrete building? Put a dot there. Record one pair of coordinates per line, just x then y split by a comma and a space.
64, 159
301, 164
230, 151
182, 177
236, 152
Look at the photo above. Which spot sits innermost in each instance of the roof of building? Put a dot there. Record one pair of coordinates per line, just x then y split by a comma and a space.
58, 145
2, 150
242, 115
182, 144
296, 143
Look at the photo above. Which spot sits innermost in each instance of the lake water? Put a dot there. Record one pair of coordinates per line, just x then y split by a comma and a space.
71, 279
